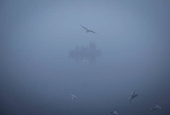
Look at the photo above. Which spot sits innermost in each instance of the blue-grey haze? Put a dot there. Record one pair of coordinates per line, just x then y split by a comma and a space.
37, 77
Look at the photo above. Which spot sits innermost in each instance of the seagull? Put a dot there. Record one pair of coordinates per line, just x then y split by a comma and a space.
87, 30
132, 96
115, 112
156, 107
73, 96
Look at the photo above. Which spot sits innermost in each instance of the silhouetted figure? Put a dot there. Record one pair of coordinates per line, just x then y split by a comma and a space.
82, 48
77, 48
92, 46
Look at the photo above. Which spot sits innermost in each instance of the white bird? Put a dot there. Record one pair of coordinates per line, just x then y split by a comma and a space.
115, 112
132, 96
87, 30
156, 107
73, 96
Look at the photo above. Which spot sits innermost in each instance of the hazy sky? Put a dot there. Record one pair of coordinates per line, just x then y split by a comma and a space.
37, 77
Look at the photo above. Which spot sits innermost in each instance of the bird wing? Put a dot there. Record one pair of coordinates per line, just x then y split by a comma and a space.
136, 95
157, 105
133, 93
92, 31
115, 112
83, 27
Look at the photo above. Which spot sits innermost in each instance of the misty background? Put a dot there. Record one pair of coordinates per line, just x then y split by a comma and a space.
37, 77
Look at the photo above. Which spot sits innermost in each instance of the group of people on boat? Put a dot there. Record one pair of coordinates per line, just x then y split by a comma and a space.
86, 54
92, 46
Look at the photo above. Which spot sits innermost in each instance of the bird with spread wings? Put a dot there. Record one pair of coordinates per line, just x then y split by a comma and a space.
87, 30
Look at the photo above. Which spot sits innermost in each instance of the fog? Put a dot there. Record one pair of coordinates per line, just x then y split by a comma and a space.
37, 77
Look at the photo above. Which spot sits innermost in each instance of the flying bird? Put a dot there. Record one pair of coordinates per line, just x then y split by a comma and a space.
156, 107
87, 30
132, 96
115, 112
73, 96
